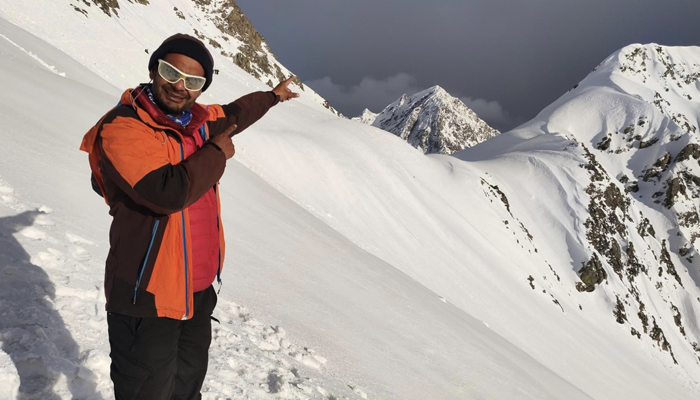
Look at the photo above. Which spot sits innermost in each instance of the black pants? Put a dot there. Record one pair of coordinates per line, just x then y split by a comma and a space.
161, 358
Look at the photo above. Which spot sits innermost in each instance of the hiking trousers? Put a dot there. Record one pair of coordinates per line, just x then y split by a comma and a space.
161, 358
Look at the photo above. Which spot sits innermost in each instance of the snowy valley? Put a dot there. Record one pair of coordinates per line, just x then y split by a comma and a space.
554, 261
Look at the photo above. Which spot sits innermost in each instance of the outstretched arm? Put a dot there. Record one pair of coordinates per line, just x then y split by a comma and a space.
245, 111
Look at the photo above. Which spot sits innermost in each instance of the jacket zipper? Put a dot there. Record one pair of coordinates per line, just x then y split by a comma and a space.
203, 133
184, 247
143, 266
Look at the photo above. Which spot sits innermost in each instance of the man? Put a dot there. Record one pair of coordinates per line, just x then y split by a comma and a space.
156, 159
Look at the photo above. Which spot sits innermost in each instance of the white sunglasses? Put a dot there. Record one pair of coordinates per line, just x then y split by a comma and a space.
173, 75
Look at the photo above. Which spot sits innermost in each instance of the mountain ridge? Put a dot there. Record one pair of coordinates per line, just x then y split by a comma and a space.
635, 134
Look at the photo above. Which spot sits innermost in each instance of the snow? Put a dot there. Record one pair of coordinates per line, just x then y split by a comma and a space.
357, 267
9, 379
366, 117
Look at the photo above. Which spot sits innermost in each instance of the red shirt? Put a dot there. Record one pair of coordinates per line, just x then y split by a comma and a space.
204, 229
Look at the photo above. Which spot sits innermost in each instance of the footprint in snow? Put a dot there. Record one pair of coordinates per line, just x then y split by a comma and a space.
49, 259
33, 233
43, 220
9, 197
7, 193
80, 254
75, 239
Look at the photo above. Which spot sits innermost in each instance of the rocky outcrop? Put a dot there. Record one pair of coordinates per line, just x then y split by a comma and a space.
253, 55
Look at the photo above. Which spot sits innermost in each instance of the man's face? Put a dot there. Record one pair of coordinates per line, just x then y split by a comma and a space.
173, 98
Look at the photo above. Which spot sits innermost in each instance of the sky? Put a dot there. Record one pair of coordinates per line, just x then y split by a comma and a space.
506, 59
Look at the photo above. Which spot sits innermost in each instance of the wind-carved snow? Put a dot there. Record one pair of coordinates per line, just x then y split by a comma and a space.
432, 121
34, 56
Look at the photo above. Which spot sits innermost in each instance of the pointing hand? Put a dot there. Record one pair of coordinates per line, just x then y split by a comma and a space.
282, 90
224, 141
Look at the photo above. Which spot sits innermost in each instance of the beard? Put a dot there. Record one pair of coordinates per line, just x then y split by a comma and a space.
171, 100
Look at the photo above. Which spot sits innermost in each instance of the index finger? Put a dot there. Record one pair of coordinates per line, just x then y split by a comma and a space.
229, 131
289, 80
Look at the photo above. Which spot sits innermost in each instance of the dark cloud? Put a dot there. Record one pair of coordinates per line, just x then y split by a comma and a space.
371, 93
493, 113
519, 55
375, 94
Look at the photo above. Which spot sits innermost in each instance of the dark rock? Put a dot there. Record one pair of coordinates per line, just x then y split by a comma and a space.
657, 334
592, 273
619, 312
677, 318
688, 219
648, 143
108, 6
597, 171
690, 150
614, 199
633, 264
502, 196
643, 317
635, 333
663, 161
675, 186
615, 257
666, 260
179, 13
690, 178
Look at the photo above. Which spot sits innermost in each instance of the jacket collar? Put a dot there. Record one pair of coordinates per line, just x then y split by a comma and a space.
153, 116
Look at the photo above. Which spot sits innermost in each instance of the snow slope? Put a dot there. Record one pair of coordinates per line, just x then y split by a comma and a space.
379, 272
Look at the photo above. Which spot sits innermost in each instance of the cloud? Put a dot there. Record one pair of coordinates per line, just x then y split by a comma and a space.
371, 93
492, 112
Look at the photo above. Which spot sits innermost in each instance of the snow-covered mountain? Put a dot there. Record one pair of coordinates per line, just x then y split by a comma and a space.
218, 23
629, 133
530, 266
367, 117
432, 121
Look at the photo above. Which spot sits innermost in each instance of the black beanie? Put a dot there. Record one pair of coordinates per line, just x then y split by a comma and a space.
189, 46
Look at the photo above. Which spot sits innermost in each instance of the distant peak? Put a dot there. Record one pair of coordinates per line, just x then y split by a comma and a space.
366, 117
436, 90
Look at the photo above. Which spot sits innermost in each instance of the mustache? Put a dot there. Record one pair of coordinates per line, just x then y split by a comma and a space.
174, 90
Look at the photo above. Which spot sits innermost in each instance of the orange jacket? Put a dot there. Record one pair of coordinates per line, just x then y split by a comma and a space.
138, 164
